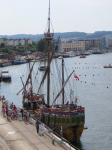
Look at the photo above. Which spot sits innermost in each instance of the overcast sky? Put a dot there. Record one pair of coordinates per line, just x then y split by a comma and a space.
30, 16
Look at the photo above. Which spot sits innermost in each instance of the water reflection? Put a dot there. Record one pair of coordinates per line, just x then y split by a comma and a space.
7, 81
78, 144
93, 95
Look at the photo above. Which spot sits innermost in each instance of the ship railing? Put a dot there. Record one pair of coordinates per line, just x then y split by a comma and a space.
78, 109
53, 135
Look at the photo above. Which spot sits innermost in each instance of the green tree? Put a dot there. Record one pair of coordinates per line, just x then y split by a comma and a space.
2, 45
40, 45
29, 45
33, 43
6, 50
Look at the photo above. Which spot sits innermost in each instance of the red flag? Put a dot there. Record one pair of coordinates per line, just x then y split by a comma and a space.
76, 76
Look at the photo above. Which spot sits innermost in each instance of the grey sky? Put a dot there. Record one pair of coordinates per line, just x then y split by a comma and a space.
30, 16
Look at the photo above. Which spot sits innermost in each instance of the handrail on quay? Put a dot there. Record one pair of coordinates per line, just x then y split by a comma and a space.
59, 139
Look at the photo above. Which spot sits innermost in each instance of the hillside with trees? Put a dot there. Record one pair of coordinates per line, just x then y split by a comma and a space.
65, 35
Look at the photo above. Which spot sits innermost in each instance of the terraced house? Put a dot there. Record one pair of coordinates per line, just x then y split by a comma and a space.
75, 45
15, 42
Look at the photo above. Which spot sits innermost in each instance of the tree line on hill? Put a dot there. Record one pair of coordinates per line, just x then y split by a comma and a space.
38, 43
64, 35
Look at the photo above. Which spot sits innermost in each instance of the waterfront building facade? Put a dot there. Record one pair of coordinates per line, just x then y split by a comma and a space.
110, 42
15, 42
80, 45
85, 44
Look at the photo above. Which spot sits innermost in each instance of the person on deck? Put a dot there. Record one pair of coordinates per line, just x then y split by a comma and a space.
3, 98
32, 106
67, 103
37, 126
21, 112
28, 115
15, 107
6, 110
11, 106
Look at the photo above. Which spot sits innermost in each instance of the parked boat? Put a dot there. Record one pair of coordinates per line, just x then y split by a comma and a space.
109, 66
87, 53
97, 52
6, 64
64, 55
19, 61
42, 68
82, 56
5, 75
63, 117
0, 77
60, 57
71, 55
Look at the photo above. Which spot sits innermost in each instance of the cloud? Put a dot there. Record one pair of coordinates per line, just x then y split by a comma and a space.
97, 3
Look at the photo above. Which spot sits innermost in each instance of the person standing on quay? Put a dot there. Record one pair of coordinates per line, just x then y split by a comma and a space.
37, 126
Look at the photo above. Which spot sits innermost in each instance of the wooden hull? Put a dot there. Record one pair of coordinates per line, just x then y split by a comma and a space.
72, 124
72, 128
72, 133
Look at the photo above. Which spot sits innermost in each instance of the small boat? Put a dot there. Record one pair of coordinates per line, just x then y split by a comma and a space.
5, 75
19, 61
109, 66
71, 55
0, 77
6, 64
82, 56
60, 57
64, 55
97, 52
87, 53
42, 68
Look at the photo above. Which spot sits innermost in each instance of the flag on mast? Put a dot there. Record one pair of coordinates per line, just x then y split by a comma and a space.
75, 76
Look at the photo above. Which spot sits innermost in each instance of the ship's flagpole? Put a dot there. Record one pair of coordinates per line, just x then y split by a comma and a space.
49, 18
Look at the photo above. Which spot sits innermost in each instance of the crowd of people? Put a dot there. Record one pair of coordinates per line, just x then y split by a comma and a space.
12, 113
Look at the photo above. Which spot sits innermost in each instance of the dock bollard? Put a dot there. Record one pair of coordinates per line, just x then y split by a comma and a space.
53, 141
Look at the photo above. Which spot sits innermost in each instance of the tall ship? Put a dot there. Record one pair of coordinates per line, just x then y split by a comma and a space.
55, 106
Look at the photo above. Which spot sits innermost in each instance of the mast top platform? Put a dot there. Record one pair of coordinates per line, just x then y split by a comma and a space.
48, 35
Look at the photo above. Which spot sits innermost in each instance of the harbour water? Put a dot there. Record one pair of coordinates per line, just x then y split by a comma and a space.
94, 89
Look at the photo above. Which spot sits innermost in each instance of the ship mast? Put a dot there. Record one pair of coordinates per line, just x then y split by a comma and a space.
48, 37
49, 18
62, 81
30, 79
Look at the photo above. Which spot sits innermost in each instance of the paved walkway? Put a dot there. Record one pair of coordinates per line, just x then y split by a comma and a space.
17, 135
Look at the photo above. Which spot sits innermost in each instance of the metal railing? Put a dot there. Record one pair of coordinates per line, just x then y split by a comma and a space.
53, 135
